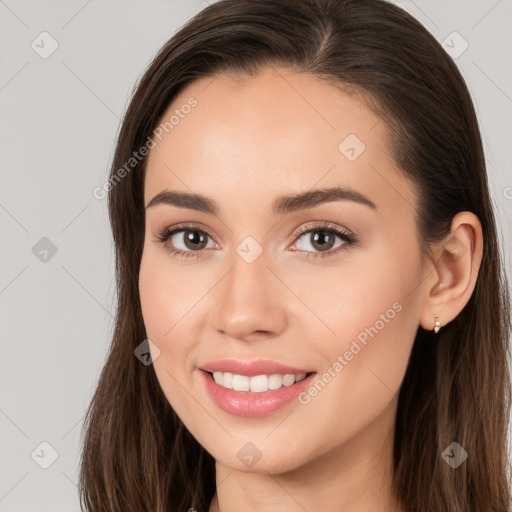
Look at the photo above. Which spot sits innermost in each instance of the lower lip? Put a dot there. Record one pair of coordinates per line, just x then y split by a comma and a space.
248, 404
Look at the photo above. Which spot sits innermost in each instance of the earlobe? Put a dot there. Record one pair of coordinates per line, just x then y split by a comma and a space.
455, 269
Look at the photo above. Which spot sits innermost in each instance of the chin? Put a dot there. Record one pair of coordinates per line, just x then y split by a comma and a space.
264, 460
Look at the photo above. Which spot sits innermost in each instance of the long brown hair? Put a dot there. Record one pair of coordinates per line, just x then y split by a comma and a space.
137, 454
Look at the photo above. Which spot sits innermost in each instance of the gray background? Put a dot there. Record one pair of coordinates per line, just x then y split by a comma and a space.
59, 120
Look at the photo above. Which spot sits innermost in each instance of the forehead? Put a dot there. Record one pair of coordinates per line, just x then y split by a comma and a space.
275, 133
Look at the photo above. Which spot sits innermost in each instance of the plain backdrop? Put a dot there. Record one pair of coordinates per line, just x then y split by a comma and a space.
60, 113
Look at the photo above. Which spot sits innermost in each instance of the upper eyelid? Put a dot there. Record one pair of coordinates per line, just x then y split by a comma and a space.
191, 226
326, 225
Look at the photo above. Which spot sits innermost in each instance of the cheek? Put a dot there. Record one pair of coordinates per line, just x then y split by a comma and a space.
166, 294
170, 300
370, 350
366, 362
155, 309
375, 319
162, 307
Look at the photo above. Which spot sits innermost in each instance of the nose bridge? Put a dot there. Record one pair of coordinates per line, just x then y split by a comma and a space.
248, 299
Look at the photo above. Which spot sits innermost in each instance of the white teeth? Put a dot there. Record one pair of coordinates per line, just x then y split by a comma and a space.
228, 380
241, 382
288, 379
275, 381
257, 383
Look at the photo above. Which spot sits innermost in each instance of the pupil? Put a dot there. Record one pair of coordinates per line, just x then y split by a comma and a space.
195, 238
324, 240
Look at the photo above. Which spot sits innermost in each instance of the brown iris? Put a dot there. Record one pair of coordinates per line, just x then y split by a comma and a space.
322, 240
194, 239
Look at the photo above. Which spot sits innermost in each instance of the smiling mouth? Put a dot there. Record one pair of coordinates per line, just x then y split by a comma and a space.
256, 383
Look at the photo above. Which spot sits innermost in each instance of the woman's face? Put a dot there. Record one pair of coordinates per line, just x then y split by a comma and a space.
246, 286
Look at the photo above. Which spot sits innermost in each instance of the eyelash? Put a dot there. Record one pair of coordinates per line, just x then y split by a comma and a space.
327, 227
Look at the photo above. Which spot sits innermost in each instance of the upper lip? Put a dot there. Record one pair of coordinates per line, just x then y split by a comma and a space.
251, 368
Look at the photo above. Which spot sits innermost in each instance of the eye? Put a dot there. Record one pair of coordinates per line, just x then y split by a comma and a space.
188, 241
185, 241
319, 240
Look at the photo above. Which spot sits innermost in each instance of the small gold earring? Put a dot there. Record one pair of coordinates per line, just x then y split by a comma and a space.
437, 325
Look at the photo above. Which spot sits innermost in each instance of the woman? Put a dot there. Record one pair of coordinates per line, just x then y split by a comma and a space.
307, 254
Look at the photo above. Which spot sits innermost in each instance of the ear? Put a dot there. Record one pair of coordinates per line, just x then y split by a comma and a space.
452, 277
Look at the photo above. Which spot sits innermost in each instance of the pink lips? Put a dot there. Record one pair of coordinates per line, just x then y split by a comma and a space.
246, 403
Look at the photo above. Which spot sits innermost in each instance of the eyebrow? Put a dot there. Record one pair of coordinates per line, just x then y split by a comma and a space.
281, 205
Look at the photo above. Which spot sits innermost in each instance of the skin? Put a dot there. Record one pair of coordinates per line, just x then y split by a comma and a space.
244, 144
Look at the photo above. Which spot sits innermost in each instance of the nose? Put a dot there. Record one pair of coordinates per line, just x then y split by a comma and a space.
250, 301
